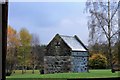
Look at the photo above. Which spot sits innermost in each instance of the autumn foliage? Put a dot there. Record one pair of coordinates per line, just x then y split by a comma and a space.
16, 46
12, 37
22, 50
98, 61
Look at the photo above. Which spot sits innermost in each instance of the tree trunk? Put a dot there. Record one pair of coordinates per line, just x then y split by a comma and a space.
25, 68
109, 37
119, 52
119, 33
33, 69
22, 69
33, 66
110, 56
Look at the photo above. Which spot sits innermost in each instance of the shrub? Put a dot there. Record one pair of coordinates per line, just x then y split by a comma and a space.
97, 61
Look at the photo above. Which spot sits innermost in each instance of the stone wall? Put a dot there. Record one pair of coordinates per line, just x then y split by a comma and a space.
79, 61
57, 64
57, 50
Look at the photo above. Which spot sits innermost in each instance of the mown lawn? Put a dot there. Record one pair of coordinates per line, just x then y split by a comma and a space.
91, 74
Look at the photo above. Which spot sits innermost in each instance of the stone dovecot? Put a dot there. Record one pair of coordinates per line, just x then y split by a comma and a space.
66, 54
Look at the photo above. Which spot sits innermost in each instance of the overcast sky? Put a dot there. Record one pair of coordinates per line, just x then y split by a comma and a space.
46, 19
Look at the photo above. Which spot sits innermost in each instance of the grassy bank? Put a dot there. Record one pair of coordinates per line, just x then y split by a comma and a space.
91, 74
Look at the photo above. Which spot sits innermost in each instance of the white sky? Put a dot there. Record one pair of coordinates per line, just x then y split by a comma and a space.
46, 19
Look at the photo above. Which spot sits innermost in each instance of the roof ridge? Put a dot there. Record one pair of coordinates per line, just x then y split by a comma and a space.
66, 36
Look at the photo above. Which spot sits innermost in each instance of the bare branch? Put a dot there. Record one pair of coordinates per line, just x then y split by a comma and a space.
114, 34
101, 25
114, 12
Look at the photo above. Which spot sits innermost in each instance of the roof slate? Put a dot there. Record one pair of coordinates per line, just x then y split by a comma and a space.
73, 43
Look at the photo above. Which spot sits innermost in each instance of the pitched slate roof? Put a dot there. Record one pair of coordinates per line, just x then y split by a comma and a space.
74, 43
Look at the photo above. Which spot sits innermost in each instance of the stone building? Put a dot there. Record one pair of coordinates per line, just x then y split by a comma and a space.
65, 54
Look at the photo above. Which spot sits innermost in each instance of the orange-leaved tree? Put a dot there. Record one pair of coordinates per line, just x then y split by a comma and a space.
12, 45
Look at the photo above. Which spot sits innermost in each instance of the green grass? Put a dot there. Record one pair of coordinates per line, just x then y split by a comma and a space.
91, 74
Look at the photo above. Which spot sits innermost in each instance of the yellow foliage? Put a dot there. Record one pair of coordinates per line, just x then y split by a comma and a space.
98, 61
97, 55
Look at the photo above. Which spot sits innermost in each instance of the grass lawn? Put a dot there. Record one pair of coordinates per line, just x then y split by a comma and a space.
92, 74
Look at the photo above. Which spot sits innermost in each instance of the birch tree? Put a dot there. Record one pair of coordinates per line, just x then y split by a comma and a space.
103, 23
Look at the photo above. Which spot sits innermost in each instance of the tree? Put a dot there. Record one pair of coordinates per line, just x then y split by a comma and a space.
25, 42
98, 61
103, 23
12, 45
35, 42
42, 50
98, 47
